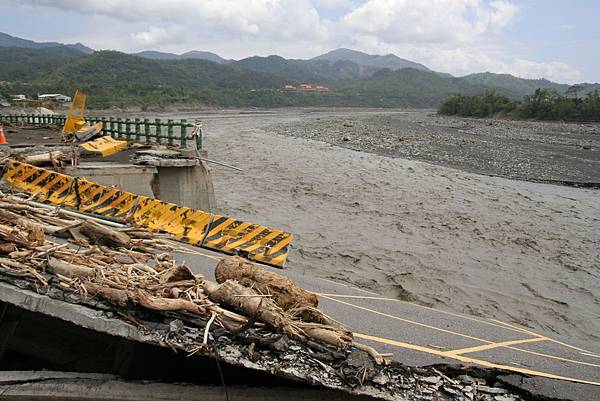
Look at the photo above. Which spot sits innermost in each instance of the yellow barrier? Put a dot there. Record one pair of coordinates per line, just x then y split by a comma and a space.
185, 224
256, 242
45, 185
103, 200
196, 227
75, 119
104, 146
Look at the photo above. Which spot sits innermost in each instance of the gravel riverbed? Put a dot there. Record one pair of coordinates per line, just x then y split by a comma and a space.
538, 151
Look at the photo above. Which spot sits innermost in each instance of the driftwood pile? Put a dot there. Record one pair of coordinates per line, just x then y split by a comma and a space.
131, 267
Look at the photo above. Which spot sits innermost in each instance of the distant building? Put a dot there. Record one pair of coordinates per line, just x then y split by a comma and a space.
19, 97
305, 88
57, 97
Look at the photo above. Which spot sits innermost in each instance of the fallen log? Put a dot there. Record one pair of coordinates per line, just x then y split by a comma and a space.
256, 306
58, 266
104, 235
251, 304
166, 304
112, 295
283, 291
7, 248
14, 218
43, 158
13, 263
10, 235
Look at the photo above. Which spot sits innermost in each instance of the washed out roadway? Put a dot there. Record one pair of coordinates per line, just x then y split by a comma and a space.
417, 335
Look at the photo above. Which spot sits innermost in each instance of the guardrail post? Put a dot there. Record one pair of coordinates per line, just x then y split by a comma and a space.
158, 130
111, 124
128, 129
199, 139
183, 133
147, 129
103, 121
137, 130
170, 131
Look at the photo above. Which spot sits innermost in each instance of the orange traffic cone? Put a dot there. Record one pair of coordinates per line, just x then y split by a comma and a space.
3, 140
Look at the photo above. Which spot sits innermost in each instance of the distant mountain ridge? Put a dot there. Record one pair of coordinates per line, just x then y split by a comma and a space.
7, 40
522, 85
389, 61
194, 54
160, 78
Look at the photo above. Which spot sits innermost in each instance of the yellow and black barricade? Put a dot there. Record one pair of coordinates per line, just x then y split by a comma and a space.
215, 232
103, 200
185, 224
256, 242
44, 185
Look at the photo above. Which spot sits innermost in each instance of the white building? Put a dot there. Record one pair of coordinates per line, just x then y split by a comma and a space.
56, 97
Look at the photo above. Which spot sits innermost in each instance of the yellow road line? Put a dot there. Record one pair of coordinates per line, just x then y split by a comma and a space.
559, 358
549, 339
494, 345
473, 360
488, 322
409, 321
490, 343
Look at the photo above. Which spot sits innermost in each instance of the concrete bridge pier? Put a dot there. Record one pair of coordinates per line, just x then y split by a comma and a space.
189, 186
182, 181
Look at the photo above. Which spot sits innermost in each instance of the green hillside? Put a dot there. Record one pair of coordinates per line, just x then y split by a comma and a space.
405, 87
24, 64
117, 79
519, 86
389, 61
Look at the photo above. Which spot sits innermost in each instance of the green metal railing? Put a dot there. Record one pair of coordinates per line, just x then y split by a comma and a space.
171, 132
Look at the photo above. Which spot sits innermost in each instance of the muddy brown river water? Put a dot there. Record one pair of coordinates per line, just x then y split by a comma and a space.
433, 232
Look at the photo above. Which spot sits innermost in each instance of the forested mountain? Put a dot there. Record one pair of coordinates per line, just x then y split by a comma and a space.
7, 40
389, 61
512, 83
157, 79
194, 54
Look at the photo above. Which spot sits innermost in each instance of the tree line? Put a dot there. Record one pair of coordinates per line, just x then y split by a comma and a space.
543, 104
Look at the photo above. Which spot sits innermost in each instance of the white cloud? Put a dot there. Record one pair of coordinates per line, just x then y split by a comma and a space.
436, 21
332, 4
156, 36
456, 36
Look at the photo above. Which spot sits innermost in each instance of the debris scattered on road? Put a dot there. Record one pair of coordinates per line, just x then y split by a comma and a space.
249, 317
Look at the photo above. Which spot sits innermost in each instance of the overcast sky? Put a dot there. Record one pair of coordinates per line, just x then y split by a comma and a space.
554, 39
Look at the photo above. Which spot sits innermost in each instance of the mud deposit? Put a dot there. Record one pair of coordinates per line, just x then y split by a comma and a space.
494, 247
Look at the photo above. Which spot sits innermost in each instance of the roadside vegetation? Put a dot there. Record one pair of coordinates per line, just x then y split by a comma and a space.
543, 104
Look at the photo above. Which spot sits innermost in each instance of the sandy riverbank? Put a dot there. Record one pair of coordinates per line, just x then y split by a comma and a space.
512, 250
